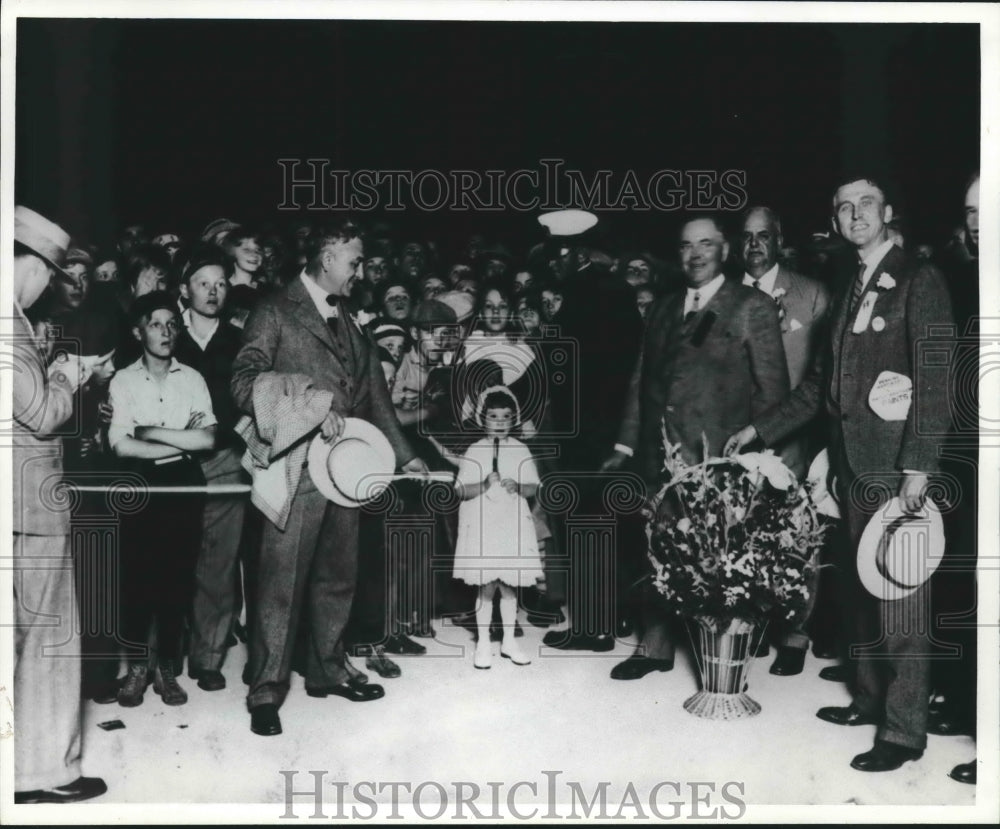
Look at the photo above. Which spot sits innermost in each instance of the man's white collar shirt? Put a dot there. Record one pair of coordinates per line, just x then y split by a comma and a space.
705, 294
874, 259
201, 341
765, 283
318, 296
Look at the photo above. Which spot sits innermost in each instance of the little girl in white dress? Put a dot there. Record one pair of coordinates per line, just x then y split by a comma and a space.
497, 547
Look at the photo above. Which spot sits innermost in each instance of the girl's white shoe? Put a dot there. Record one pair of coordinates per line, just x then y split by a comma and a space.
512, 651
484, 654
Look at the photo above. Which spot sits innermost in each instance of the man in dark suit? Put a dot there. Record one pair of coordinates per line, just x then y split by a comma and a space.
303, 336
711, 358
883, 310
802, 309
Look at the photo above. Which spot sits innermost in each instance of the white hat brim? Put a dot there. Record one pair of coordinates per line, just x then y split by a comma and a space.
922, 533
319, 453
568, 222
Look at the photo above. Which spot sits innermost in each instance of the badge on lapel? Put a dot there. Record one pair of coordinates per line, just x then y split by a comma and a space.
884, 283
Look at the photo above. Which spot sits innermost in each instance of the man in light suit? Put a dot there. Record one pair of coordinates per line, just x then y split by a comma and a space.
711, 358
883, 310
802, 308
311, 562
46, 643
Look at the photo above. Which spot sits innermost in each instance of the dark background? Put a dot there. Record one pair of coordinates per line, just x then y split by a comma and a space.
174, 123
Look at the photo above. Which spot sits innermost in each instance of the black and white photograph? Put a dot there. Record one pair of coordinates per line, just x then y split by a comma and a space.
499, 412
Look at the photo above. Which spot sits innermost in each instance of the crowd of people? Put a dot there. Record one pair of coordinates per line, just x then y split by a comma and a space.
187, 376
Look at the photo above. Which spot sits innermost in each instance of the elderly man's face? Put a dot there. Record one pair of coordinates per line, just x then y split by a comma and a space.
703, 250
861, 214
760, 243
972, 212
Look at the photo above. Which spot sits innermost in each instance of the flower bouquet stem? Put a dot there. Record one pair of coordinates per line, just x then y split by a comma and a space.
724, 654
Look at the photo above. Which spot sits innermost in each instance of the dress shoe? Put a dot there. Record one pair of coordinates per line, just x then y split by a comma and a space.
885, 757
565, 641
400, 644
823, 650
789, 661
264, 720
512, 650
637, 666
848, 715
964, 773
83, 788
381, 664
208, 680
836, 673
134, 687
352, 691
946, 723
165, 685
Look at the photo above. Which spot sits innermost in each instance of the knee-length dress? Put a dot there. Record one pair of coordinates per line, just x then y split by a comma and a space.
496, 533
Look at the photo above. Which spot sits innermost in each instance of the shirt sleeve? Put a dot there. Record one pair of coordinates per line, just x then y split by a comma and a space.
123, 412
201, 400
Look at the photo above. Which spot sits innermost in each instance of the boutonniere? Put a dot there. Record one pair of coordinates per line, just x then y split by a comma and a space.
361, 319
777, 296
885, 283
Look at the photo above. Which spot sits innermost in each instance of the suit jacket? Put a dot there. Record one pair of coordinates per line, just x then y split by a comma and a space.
803, 325
40, 407
711, 375
908, 313
286, 334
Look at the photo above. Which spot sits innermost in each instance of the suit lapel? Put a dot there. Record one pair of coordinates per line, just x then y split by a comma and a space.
309, 317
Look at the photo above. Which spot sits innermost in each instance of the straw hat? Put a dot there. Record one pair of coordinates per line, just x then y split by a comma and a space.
352, 470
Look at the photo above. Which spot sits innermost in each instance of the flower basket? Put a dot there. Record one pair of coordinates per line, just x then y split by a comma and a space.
734, 542
723, 651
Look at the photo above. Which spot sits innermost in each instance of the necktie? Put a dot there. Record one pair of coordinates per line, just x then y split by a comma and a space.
696, 302
858, 289
756, 284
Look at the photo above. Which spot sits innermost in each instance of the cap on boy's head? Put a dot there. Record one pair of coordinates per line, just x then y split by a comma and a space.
430, 313
144, 306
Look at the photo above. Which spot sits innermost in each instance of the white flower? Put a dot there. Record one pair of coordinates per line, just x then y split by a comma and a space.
778, 294
684, 525
770, 466
878, 324
362, 318
886, 282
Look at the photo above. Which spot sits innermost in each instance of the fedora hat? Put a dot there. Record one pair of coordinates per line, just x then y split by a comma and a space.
900, 551
355, 468
42, 237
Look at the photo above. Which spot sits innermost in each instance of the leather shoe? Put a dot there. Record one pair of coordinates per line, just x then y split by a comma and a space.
264, 720
885, 757
83, 788
789, 661
824, 650
352, 691
400, 644
836, 673
208, 680
848, 715
565, 641
382, 665
637, 666
964, 773
945, 723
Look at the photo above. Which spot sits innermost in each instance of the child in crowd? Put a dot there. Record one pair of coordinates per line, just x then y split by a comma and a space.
497, 547
162, 418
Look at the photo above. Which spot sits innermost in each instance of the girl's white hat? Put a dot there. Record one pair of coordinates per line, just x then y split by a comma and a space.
503, 390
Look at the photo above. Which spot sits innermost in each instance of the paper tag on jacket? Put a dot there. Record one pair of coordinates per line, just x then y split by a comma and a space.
865, 312
891, 395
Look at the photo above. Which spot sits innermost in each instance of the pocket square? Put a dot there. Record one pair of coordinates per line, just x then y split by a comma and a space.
794, 325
